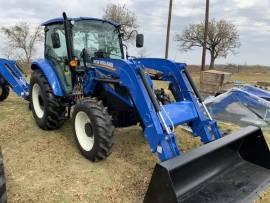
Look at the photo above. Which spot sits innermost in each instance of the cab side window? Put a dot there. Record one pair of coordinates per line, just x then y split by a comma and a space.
55, 53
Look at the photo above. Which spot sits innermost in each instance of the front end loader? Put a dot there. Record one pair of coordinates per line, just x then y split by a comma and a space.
88, 75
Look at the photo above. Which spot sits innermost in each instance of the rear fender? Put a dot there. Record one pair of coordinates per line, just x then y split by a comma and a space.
48, 71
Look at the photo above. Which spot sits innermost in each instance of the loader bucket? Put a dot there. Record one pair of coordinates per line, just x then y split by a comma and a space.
235, 168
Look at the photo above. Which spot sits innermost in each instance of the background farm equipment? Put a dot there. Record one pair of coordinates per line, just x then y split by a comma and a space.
11, 76
243, 105
86, 75
213, 82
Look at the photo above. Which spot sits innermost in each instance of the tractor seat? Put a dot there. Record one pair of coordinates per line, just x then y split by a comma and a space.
179, 113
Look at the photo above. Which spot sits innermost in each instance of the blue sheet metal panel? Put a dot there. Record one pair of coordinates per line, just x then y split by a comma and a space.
48, 70
241, 107
237, 95
127, 101
179, 113
14, 77
89, 82
251, 100
257, 91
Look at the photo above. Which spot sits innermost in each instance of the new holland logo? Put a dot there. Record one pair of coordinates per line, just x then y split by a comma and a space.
104, 64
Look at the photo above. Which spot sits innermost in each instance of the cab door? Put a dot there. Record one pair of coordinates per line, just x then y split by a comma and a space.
58, 56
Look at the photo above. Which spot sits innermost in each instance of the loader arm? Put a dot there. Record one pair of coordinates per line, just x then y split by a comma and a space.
158, 120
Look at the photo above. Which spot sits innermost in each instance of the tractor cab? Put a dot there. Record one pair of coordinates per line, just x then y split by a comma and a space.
71, 44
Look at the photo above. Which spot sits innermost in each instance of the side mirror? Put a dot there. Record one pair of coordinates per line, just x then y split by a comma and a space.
55, 40
139, 40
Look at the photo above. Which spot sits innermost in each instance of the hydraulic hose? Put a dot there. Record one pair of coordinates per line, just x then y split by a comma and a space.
149, 90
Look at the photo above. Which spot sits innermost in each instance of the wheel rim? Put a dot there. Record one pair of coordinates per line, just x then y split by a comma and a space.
37, 100
84, 132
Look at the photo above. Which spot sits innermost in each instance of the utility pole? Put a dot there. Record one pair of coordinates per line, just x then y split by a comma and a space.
168, 30
205, 34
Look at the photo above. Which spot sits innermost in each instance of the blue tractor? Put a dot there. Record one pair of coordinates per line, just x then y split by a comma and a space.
87, 75
85, 68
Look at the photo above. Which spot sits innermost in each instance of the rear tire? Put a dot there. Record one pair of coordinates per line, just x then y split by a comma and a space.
47, 109
4, 91
3, 191
93, 129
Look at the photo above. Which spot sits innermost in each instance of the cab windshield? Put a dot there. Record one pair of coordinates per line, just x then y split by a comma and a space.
100, 39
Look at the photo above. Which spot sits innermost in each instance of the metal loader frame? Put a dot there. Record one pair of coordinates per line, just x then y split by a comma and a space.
158, 120
13, 75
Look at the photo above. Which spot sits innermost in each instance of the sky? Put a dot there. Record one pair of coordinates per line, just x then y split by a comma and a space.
252, 18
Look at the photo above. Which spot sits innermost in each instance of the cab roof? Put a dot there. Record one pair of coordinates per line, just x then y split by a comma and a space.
61, 20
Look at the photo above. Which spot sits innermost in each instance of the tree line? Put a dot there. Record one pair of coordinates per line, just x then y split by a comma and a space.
223, 36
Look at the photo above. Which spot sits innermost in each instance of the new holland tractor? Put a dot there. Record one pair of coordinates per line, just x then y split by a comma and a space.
87, 75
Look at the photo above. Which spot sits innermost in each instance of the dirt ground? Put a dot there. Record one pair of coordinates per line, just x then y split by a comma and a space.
47, 167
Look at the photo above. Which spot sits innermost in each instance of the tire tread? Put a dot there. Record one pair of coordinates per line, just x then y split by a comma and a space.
5, 92
102, 122
56, 111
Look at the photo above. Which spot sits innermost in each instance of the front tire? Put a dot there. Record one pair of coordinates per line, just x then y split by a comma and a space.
93, 129
47, 109
4, 91
3, 193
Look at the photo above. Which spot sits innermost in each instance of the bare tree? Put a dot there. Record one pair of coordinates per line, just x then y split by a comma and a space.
121, 14
22, 38
8, 52
223, 38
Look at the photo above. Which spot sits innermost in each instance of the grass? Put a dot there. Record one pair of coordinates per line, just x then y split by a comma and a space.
47, 167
